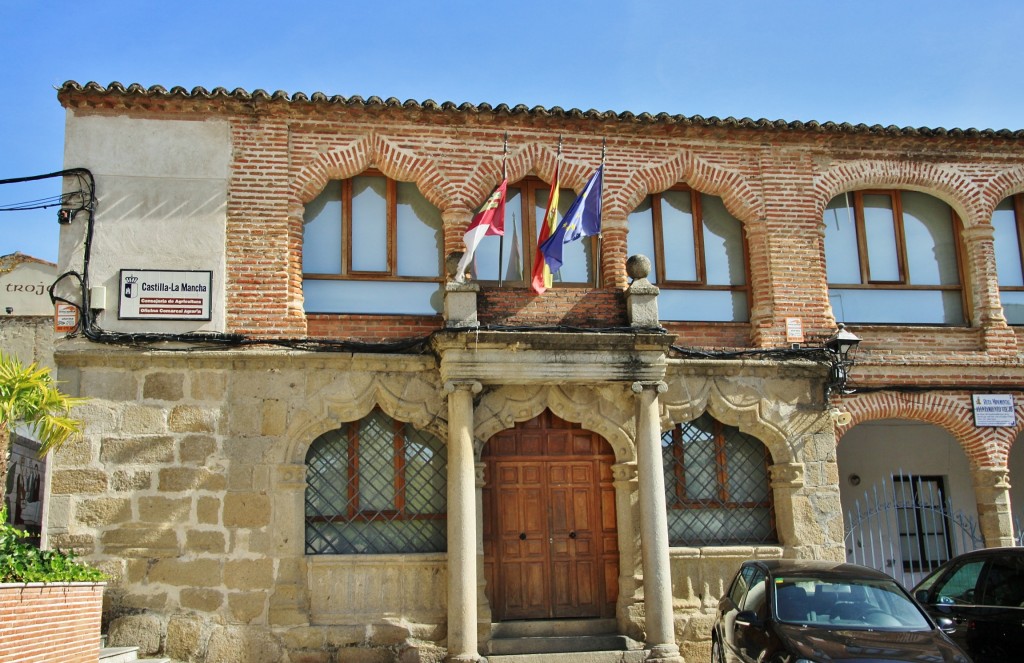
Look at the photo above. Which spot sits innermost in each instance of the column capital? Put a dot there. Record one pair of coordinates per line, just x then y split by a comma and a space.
451, 386
638, 387
786, 474
479, 473
624, 472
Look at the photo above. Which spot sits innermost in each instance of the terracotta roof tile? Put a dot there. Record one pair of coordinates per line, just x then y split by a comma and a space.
158, 92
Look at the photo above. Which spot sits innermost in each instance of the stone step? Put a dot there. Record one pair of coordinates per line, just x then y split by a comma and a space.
553, 627
126, 655
632, 656
562, 644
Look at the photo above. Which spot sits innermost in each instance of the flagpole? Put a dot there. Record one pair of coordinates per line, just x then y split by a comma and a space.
600, 235
501, 237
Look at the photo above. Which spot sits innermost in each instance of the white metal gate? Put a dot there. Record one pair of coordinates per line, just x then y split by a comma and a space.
906, 527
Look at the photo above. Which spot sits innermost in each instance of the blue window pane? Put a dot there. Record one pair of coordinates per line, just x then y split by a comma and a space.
1007, 245
1013, 306
680, 305
935, 307
325, 296
841, 254
930, 242
369, 224
420, 233
641, 235
723, 244
677, 236
485, 260
321, 242
880, 228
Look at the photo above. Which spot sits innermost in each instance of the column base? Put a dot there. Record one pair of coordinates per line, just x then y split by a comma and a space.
668, 653
465, 658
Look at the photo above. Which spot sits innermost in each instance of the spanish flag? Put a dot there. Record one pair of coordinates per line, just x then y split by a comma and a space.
541, 273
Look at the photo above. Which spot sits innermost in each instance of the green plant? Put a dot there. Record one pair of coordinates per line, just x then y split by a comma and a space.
29, 395
23, 562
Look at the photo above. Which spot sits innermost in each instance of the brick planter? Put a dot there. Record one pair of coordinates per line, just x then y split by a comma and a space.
51, 622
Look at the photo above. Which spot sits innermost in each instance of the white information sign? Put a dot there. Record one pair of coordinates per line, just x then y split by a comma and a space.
150, 294
994, 410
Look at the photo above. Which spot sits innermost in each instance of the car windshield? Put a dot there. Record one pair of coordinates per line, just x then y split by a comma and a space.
846, 603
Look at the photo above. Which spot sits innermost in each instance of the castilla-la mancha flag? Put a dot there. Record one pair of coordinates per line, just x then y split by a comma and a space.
490, 220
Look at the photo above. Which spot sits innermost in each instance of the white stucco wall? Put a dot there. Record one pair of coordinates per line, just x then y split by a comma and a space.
24, 290
161, 191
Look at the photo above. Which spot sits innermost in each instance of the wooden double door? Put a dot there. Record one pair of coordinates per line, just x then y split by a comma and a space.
550, 537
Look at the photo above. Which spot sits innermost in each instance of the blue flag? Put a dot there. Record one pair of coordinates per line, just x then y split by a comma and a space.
582, 220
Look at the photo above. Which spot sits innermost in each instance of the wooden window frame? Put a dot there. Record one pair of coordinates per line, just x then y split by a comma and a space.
862, 250
697, 217
1018, 216
683, 501
391, 222
528, 188
353, 512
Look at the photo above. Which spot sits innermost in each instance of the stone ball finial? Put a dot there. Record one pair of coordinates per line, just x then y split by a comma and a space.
638, 266
451, 263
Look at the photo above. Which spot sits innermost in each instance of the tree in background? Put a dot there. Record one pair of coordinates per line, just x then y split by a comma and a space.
29, 395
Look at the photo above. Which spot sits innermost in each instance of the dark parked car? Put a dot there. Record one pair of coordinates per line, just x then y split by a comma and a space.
798, 611
983, 593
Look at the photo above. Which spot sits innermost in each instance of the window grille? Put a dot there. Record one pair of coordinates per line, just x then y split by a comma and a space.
376, 486
716, 484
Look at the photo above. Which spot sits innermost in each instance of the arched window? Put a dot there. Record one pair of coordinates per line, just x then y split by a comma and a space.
372, 244
698, 255
526, 202
893, 257
1008, 223
375, 486
716, 485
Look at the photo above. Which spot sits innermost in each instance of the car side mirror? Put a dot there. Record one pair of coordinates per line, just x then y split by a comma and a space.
748, 618
921, 595
946, 625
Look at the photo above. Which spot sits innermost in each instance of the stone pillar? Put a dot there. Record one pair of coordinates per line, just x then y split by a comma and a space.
630, 573
462, 538
992, 491
998, 338
641, 295
482, 605
654, 524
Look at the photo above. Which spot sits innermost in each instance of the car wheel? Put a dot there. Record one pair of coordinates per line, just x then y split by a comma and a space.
717, 655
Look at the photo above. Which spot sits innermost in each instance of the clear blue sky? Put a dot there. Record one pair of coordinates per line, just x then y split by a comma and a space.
933, 63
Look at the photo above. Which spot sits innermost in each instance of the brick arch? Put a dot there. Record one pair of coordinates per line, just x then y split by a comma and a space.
984, 447
946, 183
396, 162
1006, 183
540, 158
736, 191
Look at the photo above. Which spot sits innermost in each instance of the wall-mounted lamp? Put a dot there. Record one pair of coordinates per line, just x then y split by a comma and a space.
840, 346
10, 310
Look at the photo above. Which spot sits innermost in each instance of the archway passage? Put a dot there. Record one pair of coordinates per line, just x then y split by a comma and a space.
550, 536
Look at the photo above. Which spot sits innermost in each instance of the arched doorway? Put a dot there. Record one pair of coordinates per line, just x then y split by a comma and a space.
549, 532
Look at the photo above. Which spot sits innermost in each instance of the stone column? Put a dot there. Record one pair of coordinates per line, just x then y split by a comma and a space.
992, 491
462, 558
627, 612
654, 524
482, 605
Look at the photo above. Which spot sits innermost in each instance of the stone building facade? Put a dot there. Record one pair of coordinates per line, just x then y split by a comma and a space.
337, 462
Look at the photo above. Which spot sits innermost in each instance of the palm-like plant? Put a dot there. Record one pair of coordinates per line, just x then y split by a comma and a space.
29, 395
